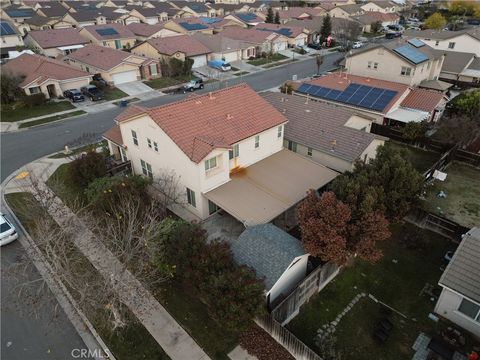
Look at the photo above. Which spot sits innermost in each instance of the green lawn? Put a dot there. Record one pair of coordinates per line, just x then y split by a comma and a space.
132, 342
71, 195
462, 188
50, 119
164, 82
21, 112
112, 93
421, 159
266, 60
413, 257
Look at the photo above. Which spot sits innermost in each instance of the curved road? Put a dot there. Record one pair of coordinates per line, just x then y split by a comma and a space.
25, 337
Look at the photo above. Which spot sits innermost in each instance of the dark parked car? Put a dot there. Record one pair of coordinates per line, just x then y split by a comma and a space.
193, 85
98, 77
316, 46
92, 92
74, 95
392, 35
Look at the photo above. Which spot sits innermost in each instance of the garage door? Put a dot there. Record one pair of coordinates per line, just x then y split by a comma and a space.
230, 57
123, 77
199, 61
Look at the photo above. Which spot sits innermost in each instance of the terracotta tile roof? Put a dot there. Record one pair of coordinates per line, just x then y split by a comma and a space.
371, 16
220, 119
53, 38
340, 81
103, 57
131, 111
171, 44
441, 35
248, 35
219, 43
423, 99
290, 31
41, 68
317, 125
114, 135
122, 32
297, 12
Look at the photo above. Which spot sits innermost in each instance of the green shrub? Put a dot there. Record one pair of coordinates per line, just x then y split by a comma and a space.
87, 168
34, 100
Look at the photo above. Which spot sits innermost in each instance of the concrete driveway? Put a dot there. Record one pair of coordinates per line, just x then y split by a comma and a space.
134, 88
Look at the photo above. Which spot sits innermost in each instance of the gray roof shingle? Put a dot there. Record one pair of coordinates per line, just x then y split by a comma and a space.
456, 62
268, 250
463, 272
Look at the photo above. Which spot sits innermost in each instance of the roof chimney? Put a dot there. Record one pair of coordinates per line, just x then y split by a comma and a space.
210, 95
229, 117
306, 101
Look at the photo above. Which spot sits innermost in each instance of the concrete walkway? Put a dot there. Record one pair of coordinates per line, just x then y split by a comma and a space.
173, 339
134, 88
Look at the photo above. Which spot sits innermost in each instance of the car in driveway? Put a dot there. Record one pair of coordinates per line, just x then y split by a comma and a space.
392, 35
7, 231
315, 46
92, 92
74, 95
357, 45
193, 85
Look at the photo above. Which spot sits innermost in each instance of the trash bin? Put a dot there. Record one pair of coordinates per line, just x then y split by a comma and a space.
123, 103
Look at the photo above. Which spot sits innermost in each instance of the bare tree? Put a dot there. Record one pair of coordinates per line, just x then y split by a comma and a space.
346, 31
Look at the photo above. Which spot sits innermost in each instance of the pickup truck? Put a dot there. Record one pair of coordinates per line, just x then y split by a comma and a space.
220, 65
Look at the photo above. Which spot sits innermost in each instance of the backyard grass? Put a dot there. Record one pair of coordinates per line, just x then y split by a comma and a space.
112, 93
87, 147
132, 342
72, 195
412, 258
266, 60
21, 112
50, 119
164, 82
462, 188
421, 159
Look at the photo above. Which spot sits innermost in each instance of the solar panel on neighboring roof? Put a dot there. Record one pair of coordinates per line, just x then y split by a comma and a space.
210, 20
191, 27
416, 42
246, 17
357, 95
6, 29
411, 54
107, 31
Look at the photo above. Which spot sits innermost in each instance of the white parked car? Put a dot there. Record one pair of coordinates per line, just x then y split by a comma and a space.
357, 45
7, 231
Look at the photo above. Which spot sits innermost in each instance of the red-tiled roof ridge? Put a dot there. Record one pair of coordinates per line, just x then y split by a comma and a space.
131, 111
422, 99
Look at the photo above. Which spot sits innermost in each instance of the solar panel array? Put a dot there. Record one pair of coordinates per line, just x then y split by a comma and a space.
367, 97
193, 26
416, 42
210, 20
107, 31
283, 31
6, 29
20, 13
246, 17
411, 54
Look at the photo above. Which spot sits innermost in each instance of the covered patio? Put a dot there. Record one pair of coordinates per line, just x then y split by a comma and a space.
261, 192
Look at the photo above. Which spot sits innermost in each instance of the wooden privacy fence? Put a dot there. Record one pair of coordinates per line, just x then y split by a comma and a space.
284, 337
467, 157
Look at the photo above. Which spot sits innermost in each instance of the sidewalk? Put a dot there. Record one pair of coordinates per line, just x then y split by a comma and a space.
173, 339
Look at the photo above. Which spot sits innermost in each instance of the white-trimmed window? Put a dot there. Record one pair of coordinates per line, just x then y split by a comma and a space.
470, 309
134, 137
210, 164
191, 197
257, 141
369, 65
234, 152
146, 169
309, 151
35, 90
279, 131
406, 71
451, 45
292, 146
155, 146
153, 69
375, 66
149, 143
437, 42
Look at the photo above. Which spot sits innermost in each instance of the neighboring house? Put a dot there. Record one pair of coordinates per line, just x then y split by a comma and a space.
264, 41
386, 7
296, 35
82, 18
145, 31
288, 273
225, 149
189, 26
116, 36
368, 18
115, 66
193, 9
346, 11
10, 37
55, 42
248, 19
460, 41
226, 9
461, 68
313, 26
18, 14
222, 47
45, 75
176, 47
299, 13
54, 10
459, 301
333, 136
148, 15
407, 62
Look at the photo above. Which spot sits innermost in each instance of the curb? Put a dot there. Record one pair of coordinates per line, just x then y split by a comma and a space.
96, 346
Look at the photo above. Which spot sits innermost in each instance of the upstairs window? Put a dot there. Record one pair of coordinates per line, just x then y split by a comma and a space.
375, 66
146, 169
210, 164
149, 143
451, 45
191, 197
257, 141
155, 146
369, 65
470, 309
234, 152
279, 131
134, 137
406, 71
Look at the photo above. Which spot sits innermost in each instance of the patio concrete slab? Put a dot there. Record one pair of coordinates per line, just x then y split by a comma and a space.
134, 88
239, 353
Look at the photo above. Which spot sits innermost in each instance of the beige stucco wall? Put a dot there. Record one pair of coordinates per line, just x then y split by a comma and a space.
60, 86
11, 41
148, 50
374, 7
339, 13
447, 306
371, 151
107, 75
463, 43
75, 84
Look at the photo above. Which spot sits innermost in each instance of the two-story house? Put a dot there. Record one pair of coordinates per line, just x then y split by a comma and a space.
11, 39
225, 150
408, 62
116, 36
460, 41
55, 42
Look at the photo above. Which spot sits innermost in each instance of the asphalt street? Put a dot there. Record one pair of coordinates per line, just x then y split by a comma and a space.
47, 333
